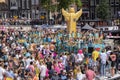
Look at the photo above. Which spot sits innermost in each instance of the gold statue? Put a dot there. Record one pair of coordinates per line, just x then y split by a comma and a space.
71, 18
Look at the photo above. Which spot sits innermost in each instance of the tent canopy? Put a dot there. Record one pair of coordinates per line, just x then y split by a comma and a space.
88, 27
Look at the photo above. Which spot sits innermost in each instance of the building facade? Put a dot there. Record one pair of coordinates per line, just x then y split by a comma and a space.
32, 9
20, 8
89, 8
3, 9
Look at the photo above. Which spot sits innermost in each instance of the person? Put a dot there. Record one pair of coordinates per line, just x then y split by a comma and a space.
70, 75
90, 74
43, 70
113, 62
103, 60
55, 76
80, 56
49, 64
63, 75
116, 51
95, 56
31, 67
79, 76
2, 71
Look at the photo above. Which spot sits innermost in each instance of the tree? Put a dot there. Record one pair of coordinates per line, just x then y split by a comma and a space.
47, 4
66, 3
103, 10
78, 3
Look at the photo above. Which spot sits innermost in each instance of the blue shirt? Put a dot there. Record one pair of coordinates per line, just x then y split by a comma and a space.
27, 54
63, 77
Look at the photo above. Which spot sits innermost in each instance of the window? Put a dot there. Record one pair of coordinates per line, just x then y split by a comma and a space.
13, 3
32, 1
117, 1
19, 3
112, 2
27, 4
35, 2
112, 12
93, 15
92, 2
97, 2
23, 4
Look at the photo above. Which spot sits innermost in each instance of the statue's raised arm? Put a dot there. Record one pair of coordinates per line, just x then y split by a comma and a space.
71, 17
78, 14
65, 14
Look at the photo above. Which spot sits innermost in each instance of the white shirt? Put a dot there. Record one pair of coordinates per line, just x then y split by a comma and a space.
80, 57
64, 59
103, 57
108, 52
28, 62
43, 70
80, 76
2, 71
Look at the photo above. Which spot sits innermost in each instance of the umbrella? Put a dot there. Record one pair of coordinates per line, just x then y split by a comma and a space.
88, 27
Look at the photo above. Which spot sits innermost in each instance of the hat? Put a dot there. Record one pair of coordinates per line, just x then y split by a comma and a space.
80, 51
97, 49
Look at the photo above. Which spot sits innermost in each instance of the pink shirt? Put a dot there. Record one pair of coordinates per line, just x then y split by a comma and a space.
47, 73
90, 74
57, 69
32, 68
41, 56
61, 66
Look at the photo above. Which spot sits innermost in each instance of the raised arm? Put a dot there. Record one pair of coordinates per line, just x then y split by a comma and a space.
65, 14
78, 14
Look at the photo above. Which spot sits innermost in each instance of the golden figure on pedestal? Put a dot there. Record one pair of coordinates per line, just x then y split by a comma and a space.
71, 17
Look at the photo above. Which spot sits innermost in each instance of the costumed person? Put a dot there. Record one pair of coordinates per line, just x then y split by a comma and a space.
80, 56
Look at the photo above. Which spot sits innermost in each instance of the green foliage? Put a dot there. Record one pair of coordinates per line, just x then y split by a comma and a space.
78, 3
66, 3
103, 10
47, 4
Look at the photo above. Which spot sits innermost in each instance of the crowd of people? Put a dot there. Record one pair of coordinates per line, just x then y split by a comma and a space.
49, 54
15, 22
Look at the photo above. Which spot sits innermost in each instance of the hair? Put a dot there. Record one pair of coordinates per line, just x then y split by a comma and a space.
89, 67
103, 50
31, 63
